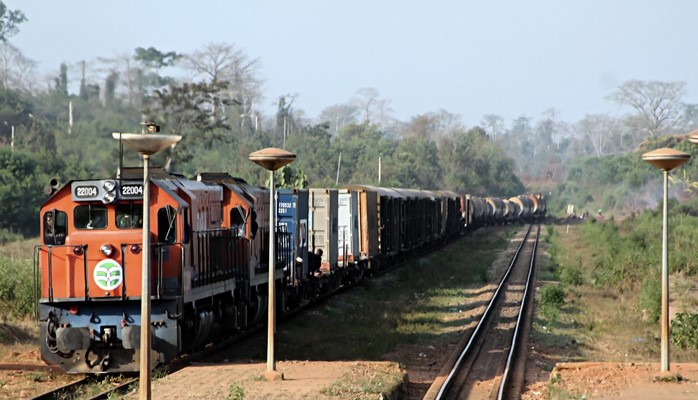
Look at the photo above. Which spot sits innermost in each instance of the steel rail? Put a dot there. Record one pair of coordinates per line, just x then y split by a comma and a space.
456, 367
516, 339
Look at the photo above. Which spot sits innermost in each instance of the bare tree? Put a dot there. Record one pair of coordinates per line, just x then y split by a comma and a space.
657, 103
339, 116
224, 63
369, 101
495, 123
597, 130
16, 70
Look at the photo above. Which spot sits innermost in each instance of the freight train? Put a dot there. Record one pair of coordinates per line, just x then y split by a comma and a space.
209, 256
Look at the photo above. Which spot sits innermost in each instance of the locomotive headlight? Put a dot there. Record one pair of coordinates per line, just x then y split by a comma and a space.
107, 249
109, 192
109, 186
108, 197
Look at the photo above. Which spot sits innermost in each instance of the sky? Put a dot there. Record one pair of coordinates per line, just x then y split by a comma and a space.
472, 58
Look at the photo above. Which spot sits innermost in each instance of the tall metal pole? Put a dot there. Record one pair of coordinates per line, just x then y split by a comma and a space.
272, 159
271, 373
146, 144
144, 389
665, 159
665, 279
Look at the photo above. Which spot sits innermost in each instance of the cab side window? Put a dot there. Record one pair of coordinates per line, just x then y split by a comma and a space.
167, 225
90, 216
237, 221
55, 227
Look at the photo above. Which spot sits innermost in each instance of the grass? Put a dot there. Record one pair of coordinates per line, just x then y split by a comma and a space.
601, 321
16, 279
235, 392
367, 382
424, 301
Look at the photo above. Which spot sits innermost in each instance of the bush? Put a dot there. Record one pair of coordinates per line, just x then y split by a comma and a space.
684, 330
16, 287
9, 236
571, 275
650, 298
551, 297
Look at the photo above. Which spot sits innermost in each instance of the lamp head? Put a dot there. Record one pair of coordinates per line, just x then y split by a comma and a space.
666, 159
147, 144
272, 158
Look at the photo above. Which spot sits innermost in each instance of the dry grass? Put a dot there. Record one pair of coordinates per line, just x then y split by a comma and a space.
602, 323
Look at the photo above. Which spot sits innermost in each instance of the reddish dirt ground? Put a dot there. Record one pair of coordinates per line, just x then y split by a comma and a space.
617, 381
305, 380
302, 380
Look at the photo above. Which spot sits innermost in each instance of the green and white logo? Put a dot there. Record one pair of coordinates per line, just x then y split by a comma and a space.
108, 274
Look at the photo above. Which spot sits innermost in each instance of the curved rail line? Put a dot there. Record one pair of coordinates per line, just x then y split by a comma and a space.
454, 382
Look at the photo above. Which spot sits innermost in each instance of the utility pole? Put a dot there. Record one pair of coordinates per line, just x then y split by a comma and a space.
339, 164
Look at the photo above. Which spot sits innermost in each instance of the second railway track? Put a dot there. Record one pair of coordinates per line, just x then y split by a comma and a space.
488, 366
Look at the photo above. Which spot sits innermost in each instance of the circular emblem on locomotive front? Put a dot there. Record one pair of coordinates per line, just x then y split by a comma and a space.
108, 274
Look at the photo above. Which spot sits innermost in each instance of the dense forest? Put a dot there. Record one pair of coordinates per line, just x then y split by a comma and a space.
59, 125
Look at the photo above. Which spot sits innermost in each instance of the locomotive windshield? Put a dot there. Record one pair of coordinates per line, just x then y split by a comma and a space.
90, 216
129, 216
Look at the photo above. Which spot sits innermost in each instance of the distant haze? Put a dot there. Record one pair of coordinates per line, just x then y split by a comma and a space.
471, 58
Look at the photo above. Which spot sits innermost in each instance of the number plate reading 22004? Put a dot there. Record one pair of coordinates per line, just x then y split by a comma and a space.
84, 192
132, 190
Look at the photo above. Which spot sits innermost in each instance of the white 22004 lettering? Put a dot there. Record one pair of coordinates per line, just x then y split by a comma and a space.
86, 191
132, 190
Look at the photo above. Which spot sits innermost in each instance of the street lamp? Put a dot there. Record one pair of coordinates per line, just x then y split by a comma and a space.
147, 145
272, 159
665, 159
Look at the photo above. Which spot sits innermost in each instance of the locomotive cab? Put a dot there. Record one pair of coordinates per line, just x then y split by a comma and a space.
89, 267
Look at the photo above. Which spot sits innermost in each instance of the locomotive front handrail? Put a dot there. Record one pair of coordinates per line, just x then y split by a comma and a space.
37, 271
84, 262
123, 263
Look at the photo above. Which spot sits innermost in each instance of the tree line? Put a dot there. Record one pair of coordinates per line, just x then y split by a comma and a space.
60, 126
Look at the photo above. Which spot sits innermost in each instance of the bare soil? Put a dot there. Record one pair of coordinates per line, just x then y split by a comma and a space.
301, 380
27, 382
617, 381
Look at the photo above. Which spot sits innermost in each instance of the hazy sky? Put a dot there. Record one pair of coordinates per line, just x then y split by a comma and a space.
512, 58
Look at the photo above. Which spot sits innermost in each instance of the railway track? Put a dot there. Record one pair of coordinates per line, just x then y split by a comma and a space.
91, 388
491, 365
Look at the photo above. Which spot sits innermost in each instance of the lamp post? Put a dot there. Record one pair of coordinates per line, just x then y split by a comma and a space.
272, 159
665, 159
147, 145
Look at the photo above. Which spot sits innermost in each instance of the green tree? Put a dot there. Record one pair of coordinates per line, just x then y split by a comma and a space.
152, 61
360, 146
61, 81
314, 153
21, 183
415, 164
473, 164
15, 111
9, 21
